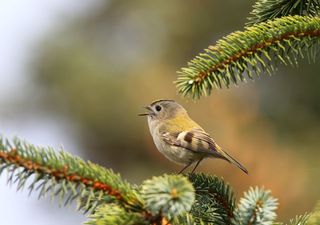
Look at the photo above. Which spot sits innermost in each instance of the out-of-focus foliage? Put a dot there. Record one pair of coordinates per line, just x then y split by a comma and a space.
108, 61
100, 70
314, 218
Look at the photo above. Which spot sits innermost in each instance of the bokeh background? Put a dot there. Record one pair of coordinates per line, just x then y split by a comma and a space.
76, 73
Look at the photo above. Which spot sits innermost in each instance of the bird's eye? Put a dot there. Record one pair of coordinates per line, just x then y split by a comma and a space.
158, 108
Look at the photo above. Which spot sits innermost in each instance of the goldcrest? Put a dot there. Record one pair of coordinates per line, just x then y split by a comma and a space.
179, 138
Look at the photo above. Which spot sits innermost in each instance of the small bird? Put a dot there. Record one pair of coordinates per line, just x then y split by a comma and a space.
179, 138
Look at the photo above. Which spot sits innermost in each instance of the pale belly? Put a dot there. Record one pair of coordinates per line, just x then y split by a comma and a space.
176, 154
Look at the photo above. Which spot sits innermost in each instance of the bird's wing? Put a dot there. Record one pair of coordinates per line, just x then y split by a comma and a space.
195, 140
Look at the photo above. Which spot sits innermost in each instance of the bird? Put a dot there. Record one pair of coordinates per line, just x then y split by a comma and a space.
179, 138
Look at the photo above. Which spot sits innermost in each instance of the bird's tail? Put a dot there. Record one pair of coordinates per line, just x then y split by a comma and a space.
230, 159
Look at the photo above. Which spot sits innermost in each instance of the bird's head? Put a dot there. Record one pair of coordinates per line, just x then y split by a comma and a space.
163, 110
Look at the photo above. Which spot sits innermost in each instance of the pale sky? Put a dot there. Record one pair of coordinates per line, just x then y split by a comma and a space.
23, 24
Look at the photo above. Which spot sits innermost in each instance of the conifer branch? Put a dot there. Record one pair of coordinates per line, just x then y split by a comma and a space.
256, 207
314, 218
188, 219
166, 200
299, 220
215, 201
98, 189
264, 10
112, 214
169, 195
279, 31
257, 49
64, 175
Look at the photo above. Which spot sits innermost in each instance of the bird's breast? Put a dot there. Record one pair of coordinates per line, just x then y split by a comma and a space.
175, 154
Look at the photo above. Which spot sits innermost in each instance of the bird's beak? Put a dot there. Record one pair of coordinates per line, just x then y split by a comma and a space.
147, 113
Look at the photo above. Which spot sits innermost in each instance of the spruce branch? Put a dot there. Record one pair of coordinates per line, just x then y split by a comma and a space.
169, 195
299, 220
256, 50
264, 10
257, 207
314, 218
188, 219
215, 201
65, 176
166, 200
112, 214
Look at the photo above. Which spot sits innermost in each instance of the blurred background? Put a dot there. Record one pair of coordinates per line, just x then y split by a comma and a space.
76, 73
